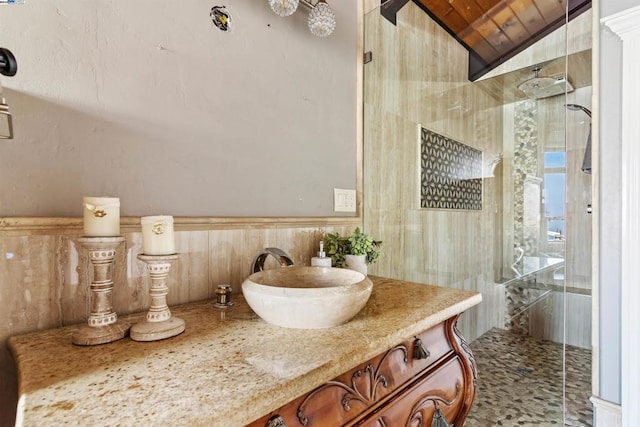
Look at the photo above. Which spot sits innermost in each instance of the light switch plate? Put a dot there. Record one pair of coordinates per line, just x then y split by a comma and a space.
344, 200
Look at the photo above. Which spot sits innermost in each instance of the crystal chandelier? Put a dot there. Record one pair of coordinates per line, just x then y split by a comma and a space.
284, 7
322, 20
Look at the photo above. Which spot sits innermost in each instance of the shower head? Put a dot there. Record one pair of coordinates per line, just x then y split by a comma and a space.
544, 87
576, 107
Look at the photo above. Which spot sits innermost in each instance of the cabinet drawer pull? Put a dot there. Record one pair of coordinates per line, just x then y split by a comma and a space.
419, 352
276, 421
439, 420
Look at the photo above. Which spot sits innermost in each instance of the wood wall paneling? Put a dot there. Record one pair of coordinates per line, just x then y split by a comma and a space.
496, 30
574, 38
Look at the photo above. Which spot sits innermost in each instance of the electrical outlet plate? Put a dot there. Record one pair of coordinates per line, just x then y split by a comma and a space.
344, 200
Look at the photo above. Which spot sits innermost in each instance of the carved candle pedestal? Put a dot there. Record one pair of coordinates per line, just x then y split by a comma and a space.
159, 323
103, 325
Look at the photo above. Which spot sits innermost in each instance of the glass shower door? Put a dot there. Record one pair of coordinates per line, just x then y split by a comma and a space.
435, 142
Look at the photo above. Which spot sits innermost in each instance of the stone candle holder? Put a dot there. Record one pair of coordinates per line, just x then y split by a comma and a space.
103, 325
159, 323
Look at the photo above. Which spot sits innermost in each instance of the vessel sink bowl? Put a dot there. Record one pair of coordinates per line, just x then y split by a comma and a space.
307, 297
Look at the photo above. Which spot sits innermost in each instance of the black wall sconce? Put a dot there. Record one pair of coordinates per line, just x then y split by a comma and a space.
8, 67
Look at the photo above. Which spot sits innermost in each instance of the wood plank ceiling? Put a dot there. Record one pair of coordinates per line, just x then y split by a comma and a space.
496, 30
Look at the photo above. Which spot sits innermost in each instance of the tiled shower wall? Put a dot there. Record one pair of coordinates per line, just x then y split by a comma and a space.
547, 317
523, 190
531, 128
418, 77
44, 278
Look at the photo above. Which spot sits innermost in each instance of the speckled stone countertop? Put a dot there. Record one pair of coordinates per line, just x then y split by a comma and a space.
227, 369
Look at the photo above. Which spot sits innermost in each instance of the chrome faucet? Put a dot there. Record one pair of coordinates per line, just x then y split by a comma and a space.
280, 255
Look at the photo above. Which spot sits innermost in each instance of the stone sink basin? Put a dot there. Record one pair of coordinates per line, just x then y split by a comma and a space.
307, 297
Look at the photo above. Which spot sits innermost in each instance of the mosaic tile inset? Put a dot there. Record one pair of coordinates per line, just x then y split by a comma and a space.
526, 200
451, 173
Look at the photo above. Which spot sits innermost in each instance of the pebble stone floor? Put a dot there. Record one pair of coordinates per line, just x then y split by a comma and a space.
520, 382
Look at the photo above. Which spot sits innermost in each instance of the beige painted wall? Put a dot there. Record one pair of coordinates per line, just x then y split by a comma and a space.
419, 76
115, 98
150, 102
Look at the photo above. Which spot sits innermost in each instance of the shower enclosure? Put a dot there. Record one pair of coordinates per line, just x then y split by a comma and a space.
479, 185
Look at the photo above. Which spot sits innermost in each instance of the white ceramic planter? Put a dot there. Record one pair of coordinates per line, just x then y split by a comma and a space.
357, 263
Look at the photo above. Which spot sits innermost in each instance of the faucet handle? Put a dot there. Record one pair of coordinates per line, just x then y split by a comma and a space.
223, 296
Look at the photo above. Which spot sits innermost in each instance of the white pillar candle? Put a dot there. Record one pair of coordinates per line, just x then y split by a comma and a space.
157, 235
101, 216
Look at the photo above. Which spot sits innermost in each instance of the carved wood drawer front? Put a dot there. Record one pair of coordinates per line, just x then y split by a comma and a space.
435, 344
443, 389
347, 396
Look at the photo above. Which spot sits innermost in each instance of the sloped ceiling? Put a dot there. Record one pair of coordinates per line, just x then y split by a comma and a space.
504, 87
495, 30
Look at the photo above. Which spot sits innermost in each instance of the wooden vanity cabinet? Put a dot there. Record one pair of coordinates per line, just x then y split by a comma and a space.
400, 387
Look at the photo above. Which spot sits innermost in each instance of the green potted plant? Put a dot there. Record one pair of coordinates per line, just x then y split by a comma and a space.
354, 251
335, 247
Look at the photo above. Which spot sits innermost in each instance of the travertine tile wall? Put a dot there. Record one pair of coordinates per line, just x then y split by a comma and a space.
44, 278
418, 76
546, 319
579, 221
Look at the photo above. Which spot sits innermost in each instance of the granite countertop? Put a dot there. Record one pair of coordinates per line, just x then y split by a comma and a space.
227, 369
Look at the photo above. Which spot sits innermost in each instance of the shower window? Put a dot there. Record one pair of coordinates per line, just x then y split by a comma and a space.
554, 194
